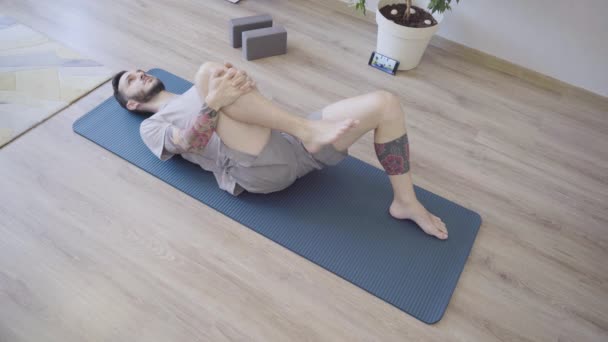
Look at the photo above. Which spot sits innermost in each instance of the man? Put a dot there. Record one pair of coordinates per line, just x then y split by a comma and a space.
224, 124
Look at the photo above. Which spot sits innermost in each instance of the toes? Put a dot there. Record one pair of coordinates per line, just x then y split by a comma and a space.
433, 230
441, 226
438, 233
430, 224
442, 236
444, 232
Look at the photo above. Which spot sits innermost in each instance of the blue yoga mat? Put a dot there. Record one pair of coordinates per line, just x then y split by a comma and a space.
337, 217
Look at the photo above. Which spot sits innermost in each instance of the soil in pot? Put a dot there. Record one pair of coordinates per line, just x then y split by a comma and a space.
421, 18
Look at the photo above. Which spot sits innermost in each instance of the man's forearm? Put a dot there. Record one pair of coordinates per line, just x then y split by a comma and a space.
197, 135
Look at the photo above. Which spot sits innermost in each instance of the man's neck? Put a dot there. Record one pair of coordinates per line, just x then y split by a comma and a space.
159, 101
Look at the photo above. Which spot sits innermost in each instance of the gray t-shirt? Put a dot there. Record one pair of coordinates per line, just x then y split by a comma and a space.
179, 112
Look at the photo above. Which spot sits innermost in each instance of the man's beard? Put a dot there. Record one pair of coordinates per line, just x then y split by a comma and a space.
146, 96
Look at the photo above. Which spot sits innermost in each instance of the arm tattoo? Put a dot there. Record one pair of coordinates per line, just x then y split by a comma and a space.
196, 136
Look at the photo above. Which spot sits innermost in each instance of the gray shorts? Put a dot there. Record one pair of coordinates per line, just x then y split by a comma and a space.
283, 160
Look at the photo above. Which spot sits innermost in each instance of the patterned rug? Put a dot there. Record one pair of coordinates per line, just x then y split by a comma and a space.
38, 78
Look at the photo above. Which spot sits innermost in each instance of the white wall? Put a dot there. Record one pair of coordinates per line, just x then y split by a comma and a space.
565, 39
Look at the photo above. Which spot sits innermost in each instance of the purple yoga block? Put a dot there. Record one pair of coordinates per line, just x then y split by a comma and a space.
238, 25
264, 42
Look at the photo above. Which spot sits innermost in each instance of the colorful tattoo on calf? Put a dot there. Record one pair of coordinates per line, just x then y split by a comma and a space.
394, 155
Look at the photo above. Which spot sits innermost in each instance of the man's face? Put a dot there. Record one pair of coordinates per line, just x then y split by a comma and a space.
138, 86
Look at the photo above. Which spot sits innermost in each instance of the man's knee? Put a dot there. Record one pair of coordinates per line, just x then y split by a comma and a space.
201, 79
386, 98
205, 70
209, 66
387, 102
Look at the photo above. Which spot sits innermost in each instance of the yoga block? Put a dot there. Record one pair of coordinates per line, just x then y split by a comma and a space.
264, 42
239, 25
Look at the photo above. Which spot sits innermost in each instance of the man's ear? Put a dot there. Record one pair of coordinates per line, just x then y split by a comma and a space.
133, 105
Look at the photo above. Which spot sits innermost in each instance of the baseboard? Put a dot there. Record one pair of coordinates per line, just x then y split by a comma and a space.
479, 57
523, 73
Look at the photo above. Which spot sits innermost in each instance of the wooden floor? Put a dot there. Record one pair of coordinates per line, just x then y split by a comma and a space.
94, 249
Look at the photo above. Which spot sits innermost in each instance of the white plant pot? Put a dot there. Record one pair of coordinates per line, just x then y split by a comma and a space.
405, 44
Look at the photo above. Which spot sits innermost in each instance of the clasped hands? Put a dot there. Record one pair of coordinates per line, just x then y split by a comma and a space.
226, 85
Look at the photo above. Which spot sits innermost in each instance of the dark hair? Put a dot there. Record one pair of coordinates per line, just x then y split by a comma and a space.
120, 97
117, 94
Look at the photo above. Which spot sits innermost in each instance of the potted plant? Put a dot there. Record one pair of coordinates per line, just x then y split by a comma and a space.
405, 28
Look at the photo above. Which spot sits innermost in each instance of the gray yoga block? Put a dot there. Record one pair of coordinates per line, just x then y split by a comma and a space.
264, 42
238, 25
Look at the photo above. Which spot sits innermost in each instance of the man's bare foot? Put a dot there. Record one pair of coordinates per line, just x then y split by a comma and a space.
428, 222
324, 132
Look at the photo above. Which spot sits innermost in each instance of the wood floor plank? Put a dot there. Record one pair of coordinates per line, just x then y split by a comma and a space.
94, 249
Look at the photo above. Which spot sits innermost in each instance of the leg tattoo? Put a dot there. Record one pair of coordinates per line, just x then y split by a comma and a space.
394, 155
